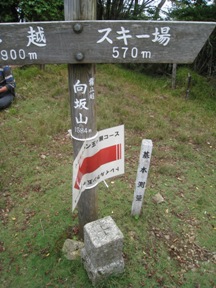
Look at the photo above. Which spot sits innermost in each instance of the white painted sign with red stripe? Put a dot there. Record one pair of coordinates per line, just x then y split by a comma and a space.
98, 159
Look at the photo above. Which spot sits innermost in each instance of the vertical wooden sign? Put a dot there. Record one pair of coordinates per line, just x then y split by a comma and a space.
142, 175
82, 102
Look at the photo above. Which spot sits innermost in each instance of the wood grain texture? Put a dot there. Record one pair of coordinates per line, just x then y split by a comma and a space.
77, 73
62, 43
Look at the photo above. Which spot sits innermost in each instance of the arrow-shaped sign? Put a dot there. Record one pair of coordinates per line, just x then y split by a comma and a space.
102, 42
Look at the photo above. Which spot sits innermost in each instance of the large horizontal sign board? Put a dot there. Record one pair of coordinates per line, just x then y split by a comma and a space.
102, 42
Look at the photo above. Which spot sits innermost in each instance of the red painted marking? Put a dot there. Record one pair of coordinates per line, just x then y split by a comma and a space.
90, 164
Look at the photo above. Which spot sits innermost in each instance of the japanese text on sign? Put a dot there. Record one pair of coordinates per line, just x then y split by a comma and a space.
142, 174
99, 159
102, 42
84, 93
35, 37
161, 36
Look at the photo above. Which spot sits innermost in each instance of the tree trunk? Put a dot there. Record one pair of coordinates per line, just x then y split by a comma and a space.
158, 9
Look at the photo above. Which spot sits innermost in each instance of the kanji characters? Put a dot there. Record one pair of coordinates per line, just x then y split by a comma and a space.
81, 103
162, 37
146, 154
142, 174
36, 37
141, 184
143, 170
139, 197
81, 119
80, 88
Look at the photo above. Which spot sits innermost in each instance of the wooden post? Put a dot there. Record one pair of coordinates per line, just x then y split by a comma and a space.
82, 102
188, 86
174, 75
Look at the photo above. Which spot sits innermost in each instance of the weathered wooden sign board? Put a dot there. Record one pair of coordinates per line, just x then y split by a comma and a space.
102, 42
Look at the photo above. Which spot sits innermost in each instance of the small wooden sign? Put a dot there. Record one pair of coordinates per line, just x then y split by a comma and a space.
102, 42
142, 175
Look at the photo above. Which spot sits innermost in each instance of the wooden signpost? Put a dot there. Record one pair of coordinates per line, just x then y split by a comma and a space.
82, 101
83, 41
77, 41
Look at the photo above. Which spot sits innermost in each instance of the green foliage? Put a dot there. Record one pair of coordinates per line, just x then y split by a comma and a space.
8, 11
42, 10
34, 10
196, 13
198, 85
125, 9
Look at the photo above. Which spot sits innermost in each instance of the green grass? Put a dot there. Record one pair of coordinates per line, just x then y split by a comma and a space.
171, 244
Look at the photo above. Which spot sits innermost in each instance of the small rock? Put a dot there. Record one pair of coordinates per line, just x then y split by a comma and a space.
167, 237
72, 248
158, 198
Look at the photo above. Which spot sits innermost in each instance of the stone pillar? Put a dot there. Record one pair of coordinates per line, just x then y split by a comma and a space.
102, 254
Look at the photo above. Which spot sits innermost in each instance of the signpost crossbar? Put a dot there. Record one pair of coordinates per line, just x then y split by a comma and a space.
102, 42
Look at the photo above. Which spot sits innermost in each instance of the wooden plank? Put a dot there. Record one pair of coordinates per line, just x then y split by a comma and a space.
83, 103
142, 175
102, 41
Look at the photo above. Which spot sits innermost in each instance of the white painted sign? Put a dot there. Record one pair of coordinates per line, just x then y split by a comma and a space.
84, 94
99, 158
142, 174
161, 35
